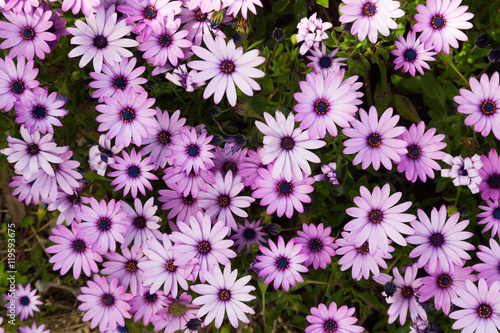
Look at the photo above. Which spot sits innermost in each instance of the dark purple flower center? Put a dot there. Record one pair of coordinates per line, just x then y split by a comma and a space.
230, 166
390, 288
285, 188
462, 171
282, 263
484, 311
375, 216
164, 137
364, 248
79, 245
17, 86
413, 151
436, 239
488, 107
287, 143
224, 295
33, 149
39, 112
104, 224
24, 300
105, 155
165, 40
227, 66
100, 42
134, 171
28, 33
315, 245
496, 213
321, 107
151, 298
494, 181
369, 9
249, 234
140, 222
193, 150
170, 266
150, 13
330, 326
224, 200
444, 281
325, 62
74, 199
119, 82
374, 140
410, 55
188, 200
193, 324
407, 292
107, 300
55, 166
438, 22
127, 115
131, 266
204, 247
200, 17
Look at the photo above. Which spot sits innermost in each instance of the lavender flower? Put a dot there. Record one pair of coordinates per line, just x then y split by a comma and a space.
491, 216
26, 301
311, 31
464, 171
248, 234
332, 319
411, 54
143, 224
317, 244
125, 268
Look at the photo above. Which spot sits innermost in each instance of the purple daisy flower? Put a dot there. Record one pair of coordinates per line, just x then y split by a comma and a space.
66, 177
205, 5
491, 216
192, 151
181, 77
482, 104
72, 251
490, 174
360, 259
327, 102
86, 6
405, 296
147, 305
323, 62
281, 263
221, 200
287, 147
227, 66
132, 173
176, 314
181, 206
103, 154
160, 268
167, 44
248, 234
127, 117
423, 148
443, 285
68, 205
248, 167
26, 34
23, 188
282, 195
200, 240
17, 81
105, 303
440, 240
58, 27
370, 17
440, 22
224, 161
101, 39
479, 307
377, 217
103, 225
26, 302
224, 294
197, 23
158, 143
375, 140
40, 114
143, 223
490, 257
411, 54
317, 244
464, 171
33, 153
18, 5
311, 31
34, 329
236, 6
119, 76
329, 173
188, 184
332, 319
125, 268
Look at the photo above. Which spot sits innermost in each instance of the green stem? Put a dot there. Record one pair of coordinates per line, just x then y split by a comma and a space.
272, 56
459, 189
458, 72
322, 282
264, 308
485, 69
468, 55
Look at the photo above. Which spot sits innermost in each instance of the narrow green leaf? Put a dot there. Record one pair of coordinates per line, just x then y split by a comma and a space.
300, 9
280, 5
323, 3
405, 108
432, 88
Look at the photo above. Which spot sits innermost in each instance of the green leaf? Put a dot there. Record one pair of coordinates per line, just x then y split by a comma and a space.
382, 96
405, 108
254, 44
450, 90
433, 89
27, 221
323, 3
300, 8
280, 5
